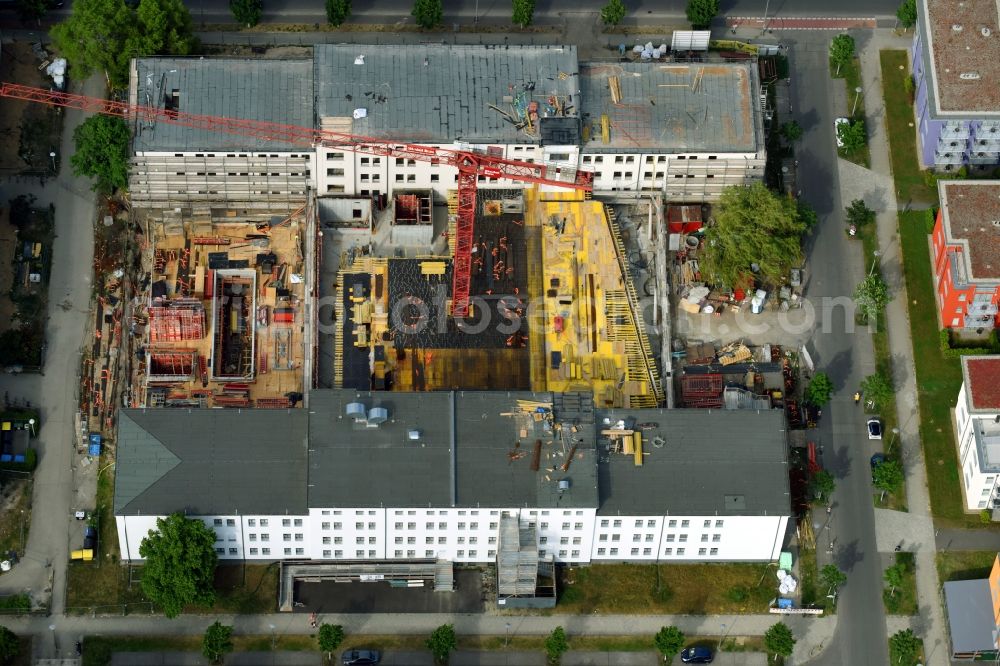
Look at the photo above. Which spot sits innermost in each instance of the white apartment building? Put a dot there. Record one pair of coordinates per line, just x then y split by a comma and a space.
977, 431
406, 476
686, 130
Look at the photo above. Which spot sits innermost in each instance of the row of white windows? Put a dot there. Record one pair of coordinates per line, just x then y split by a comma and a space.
634, 552
607, 522
631, 159
293, 155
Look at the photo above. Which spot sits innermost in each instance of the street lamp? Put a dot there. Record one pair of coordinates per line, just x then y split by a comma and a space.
274, 637
52, 154
875, 254
31, 424
857, 96
506, 638
52, 630
895, 432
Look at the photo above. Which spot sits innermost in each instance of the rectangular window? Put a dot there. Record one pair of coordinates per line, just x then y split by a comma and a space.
565, 526
218, 522
577, 526
716, 538
636, 538
684, 538
680, 551
251, 522
359, 554
543, 540
326, 541
649, 537
300, 551
220, 551
338, 553
326, 553
668, 551
288, 551
708, 523
359, 526
650, 523
634, 552
601, 551
253, 551
442, 541
702, 551
286, 522
286, 537
704, 538
265, 551
563, 541
647, 551
618, 523
442, 526
473, 526
685, 523
265, 537
253, 537
338, 526
359, 541
562, 553
672, 523
713, 551
325, 526
718, 523
670, 538
298, 537
338, 540
614, 551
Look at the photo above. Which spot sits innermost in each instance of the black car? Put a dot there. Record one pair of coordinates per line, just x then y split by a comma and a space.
361, 657
697, 655
89, 537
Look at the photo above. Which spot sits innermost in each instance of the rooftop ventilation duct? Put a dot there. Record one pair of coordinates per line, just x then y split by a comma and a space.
356, 411
413, 435
564, 485
377, 416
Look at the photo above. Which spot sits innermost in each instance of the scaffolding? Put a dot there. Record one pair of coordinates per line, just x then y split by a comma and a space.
180, 319
523, 578
170, 366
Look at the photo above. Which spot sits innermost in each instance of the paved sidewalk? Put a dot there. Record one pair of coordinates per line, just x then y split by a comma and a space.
953, 539
932, 626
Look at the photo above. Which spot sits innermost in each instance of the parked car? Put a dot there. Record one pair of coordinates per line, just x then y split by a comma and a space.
89, 537
697, 655
876, 460
836, 130
361, 657
874, 429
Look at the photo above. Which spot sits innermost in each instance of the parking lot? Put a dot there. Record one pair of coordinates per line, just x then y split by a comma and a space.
379, 597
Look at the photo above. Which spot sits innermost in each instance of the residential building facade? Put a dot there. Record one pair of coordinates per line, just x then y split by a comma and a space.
955, 63
966, 254
977, 431
434, 478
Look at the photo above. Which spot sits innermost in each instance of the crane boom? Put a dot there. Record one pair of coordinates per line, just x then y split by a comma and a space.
470, 164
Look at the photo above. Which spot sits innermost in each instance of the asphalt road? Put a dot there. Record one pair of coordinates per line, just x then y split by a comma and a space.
498, 11
835, 264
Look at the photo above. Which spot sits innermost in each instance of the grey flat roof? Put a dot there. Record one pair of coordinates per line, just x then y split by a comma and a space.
438, 93
675, 107
354, 465
210, 461
961, 37
708, 462
495, 452
279, 91
970, 615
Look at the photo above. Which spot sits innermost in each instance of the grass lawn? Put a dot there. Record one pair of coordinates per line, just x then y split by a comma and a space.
938, 378
851, 75
15, 519
667, 588
910, 185
904, 600
896, 660
964, 565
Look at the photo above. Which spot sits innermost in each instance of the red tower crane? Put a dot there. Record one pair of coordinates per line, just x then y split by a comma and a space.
470, 164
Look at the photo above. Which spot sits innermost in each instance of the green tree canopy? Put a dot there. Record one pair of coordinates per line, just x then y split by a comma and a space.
102, 149
905, 644
330, 637
523, 12
218, 640
180, 564
841, 50
247, 12
791, 130
441, 642
779, 640
10, 646
669, 641
888, 476
852, 135
859, 214
894, 576
832, 577
822, 485
878, 388
104, 35
613, 12
907, 13
556, 645
701, 12
32, 10
752, 226
338, 11
807, 214
872, 295
428, 13
820, 389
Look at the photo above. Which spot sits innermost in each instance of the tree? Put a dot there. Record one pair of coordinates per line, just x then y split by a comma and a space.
894, 576
217, 642
779, 640
905, 644
102, 152
428, 13
523, 11
820, 389
613, 12
669, 641
246, 12
907, 13
32, 10
807, 215
442, 642
10, 646
872, 295
701, 12
556, 645
888, 476
104, 35
841, 51
859, 214
853, 135
791, 130
338, 11
330, 637
832, 577
822, 485
180, 564
753, 226
877, 388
